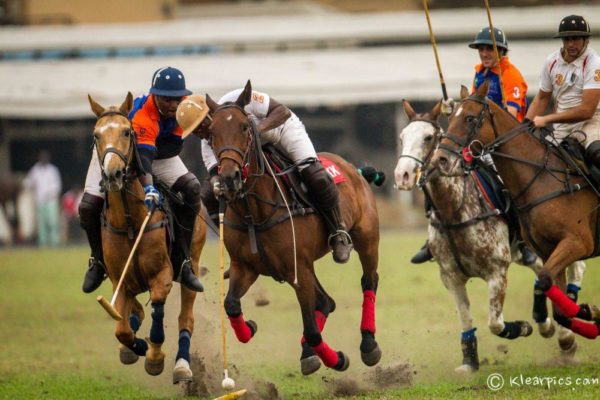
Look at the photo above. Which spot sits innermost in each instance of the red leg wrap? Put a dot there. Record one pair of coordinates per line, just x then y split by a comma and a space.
585, 329
368, 312
326, 354
320, 319
242, 331
564, 303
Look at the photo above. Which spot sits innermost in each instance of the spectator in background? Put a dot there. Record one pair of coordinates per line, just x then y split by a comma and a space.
44, 180
70, 214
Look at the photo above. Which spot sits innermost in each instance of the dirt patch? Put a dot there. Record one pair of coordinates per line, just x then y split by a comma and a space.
395, 376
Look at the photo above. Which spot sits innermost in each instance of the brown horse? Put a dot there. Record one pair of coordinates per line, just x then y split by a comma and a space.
151, 269
557, 208
252, 195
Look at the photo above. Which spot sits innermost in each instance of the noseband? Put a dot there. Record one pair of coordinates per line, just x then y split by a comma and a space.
436, 135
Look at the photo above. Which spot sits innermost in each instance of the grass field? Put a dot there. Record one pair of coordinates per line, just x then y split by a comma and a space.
57, 343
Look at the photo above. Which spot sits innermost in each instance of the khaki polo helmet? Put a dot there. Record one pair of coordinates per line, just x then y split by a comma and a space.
190, 113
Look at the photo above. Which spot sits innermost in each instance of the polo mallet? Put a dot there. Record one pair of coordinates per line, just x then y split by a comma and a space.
493, 33
437, 59
227, 383
110, 307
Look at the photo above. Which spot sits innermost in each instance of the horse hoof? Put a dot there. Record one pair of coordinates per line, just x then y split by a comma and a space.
310, 365
371, 358
547, 328
465, 369
343, 362
526, 328
127, 356
154, 367
182, 371
570, 351
253, 327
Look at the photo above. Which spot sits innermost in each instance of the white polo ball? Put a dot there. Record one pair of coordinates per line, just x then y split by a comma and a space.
228, 384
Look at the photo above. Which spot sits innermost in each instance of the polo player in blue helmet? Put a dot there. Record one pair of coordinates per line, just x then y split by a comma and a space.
159, 143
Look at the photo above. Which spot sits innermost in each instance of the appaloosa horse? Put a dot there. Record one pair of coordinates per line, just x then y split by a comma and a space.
151, 270
557, 208
467, 235
259, 236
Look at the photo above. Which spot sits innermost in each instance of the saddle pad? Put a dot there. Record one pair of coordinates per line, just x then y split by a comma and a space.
333, 170
492, 198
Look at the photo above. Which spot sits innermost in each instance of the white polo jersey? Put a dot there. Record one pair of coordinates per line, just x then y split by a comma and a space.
290, 137
567, 81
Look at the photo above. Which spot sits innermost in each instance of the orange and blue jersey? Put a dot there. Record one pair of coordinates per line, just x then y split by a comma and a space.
515, 87
156, 138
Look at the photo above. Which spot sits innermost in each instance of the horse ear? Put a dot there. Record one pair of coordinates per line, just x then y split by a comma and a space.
127, 104
96, 108
464, 92
482, 91
245, 96
436, 111
212, 105
410, 113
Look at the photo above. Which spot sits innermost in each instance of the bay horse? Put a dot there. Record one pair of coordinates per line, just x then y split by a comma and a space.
557, 206
151, 268
467, 235
256, 217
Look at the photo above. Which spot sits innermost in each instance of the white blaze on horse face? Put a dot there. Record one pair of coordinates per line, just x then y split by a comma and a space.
229, 117
107, 158
413, 145
459, 111
110, 125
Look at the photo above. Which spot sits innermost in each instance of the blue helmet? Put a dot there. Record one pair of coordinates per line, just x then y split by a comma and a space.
169, 82
484, 36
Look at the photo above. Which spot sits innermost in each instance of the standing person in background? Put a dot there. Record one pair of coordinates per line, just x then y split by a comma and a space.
44, 180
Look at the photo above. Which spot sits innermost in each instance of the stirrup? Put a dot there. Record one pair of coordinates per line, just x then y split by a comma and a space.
346, 239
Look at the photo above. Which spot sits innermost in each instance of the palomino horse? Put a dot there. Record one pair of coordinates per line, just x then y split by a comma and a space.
464, 220
557, 208
151, 269
254, 208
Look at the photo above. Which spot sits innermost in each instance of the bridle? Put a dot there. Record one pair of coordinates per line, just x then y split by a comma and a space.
437, 133
243, 156
126, 158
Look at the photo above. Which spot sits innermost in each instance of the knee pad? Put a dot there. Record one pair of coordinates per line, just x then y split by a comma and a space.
189, 186
90, 209
320, 185
592, 153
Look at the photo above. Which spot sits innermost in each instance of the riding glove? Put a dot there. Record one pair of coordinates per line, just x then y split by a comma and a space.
152, 197
215, 184
448, 106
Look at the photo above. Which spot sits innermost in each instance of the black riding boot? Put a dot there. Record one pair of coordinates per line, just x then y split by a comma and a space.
422, 255
326, 197
90, 209
186, 214
528, 257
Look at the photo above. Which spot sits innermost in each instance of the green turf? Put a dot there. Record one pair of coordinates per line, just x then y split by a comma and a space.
57, 342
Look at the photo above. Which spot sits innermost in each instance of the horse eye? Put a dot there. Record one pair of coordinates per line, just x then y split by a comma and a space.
96, 136
469, 118
428, 138
126, 132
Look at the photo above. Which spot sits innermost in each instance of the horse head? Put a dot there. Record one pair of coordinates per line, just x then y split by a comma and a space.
471, 127
417, 140
231, 137
114, 139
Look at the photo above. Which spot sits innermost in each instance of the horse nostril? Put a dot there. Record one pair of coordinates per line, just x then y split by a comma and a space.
405, 177
118, 174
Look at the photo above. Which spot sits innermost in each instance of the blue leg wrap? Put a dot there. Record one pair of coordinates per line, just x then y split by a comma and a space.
573, 291
139, 347
511, 330
157, 333
184, 345
134, 322
540, 309
469, 335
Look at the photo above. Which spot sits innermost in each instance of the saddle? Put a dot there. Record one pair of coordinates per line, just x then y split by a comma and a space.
576, 157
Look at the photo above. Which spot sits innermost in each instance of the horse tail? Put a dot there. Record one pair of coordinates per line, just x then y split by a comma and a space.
372, 175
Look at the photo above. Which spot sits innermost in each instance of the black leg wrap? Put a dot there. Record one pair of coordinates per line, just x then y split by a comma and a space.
584, 312
562, 320
233, 307
364, 283
368, 343
512, 330
313, 339
469, 350
540, 307
90, 209
544, 282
